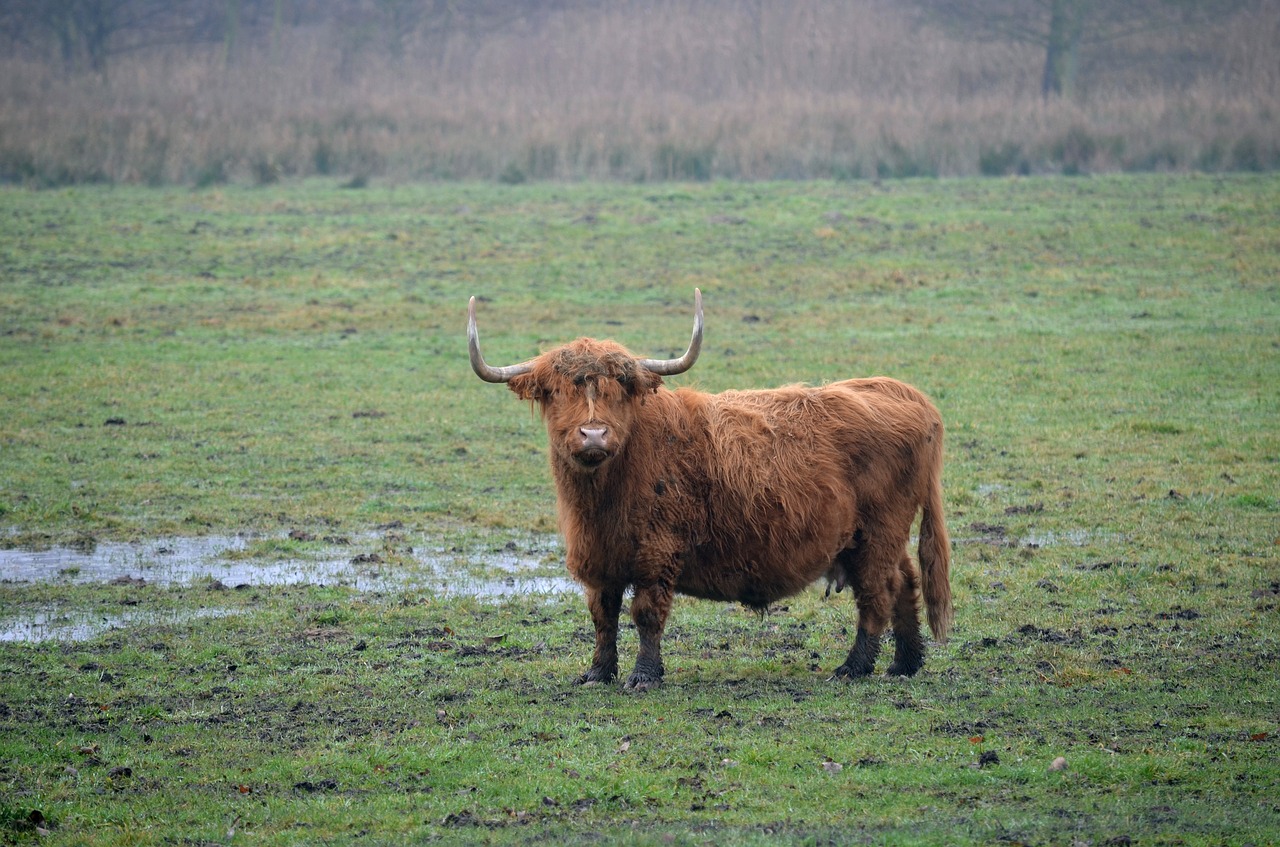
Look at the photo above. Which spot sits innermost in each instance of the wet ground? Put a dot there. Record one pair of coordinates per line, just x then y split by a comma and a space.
515, 567
51, 625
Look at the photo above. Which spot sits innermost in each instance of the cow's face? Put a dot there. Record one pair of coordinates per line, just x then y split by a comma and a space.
589, 393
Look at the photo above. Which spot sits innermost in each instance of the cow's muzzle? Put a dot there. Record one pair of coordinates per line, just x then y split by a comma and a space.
594, 447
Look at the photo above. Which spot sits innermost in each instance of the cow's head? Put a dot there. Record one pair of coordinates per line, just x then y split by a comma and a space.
588, 391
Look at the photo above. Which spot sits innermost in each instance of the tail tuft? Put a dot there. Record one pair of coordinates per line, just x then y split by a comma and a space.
934, 554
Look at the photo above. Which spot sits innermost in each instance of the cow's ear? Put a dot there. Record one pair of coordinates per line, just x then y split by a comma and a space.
526, 387
643, 381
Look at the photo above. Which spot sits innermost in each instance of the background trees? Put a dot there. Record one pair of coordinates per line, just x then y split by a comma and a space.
208, 90
84, 35
1066, 30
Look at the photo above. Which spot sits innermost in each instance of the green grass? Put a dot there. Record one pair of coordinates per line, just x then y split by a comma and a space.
1105, 351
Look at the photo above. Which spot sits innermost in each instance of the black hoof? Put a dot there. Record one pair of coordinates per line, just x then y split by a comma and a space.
847, 671
641, 683
903, 670
597, 676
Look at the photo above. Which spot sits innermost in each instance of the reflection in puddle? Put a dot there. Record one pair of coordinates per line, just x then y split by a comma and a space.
183, 561
177, 561
995, 534
1069, 538
78, 626
229, 560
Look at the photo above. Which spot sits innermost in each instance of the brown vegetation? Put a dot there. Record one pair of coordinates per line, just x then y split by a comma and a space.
681, 89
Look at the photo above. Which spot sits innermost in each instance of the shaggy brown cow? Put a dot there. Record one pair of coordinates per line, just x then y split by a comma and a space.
744, 496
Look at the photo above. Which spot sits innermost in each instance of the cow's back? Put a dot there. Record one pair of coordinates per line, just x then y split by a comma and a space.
893, 436
793, 473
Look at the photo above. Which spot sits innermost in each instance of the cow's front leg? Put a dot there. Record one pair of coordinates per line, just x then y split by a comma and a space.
605, 605
649, 610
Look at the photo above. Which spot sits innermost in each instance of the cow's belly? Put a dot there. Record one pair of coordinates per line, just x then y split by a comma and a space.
758, 573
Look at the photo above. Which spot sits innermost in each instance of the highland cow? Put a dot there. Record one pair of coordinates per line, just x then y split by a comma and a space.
745, 496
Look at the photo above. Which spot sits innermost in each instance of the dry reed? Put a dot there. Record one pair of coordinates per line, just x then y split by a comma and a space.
682, 89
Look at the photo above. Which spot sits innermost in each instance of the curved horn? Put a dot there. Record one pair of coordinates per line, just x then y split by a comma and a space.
671, 367
487, 372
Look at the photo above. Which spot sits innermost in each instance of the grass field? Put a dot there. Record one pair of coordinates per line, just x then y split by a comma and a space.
291, 360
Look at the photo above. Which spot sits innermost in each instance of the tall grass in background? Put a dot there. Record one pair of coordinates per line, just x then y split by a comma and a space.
686, 89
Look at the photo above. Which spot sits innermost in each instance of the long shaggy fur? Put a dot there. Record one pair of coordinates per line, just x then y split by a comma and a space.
743, 496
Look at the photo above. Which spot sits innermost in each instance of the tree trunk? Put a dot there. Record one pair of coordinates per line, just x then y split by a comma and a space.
231, 35
1066, 23
64, 25
277, 26
99, 25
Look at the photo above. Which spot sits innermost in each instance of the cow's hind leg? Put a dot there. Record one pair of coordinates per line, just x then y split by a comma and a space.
908, 653
875, 587
605, 605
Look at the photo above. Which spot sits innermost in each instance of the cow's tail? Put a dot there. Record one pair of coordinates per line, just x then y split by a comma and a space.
934, 553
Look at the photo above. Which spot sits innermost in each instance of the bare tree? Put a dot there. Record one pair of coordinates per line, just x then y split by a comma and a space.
85, 34
1066, 28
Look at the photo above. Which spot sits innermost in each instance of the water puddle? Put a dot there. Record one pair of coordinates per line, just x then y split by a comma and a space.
513, 570
48, 625
163, 562
516, 569
1069, 538
998, 535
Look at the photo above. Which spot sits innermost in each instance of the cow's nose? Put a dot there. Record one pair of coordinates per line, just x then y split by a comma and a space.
593, 437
